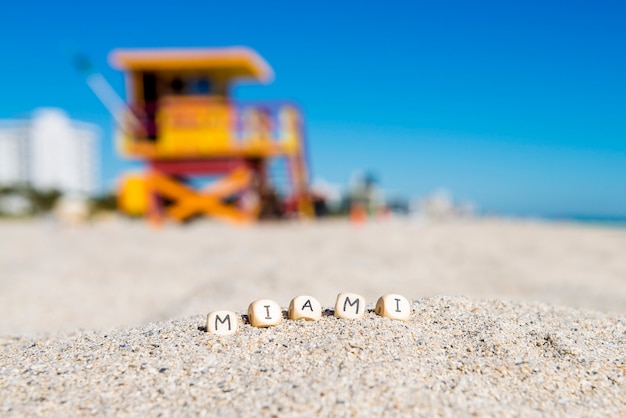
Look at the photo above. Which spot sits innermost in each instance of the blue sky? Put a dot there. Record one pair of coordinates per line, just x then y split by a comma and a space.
517, 106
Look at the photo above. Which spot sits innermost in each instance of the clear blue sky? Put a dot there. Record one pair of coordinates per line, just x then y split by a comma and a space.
519, 106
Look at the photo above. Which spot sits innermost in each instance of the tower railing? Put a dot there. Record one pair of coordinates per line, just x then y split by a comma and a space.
183, 127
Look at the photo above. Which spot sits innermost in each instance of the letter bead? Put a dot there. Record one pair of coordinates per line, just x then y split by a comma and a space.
393, 306
350, 306
222, 322
305, 307
264, 313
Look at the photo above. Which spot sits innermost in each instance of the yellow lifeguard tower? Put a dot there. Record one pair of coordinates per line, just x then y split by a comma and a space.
183, 123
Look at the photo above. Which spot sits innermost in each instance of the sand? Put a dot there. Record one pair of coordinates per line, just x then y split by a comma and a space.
107, 319
455, 357
121, 273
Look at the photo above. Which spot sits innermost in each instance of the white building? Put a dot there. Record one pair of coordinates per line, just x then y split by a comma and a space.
14, 149
50, 151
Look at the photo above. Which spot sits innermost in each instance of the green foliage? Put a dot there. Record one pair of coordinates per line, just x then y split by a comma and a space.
40, 201
104, 203
44, 201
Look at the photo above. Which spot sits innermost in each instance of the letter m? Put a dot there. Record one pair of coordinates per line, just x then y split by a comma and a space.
349, 302
222, 321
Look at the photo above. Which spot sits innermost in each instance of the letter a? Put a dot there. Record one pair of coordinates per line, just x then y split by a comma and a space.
307, 305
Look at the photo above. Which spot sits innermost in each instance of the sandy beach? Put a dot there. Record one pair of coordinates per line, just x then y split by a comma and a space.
509, 318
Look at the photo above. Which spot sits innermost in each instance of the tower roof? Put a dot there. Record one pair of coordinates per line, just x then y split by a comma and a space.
235, 62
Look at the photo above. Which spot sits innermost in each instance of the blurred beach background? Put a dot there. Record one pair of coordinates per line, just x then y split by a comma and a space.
487, 138
470, 156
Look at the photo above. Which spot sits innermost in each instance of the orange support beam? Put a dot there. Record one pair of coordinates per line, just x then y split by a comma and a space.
209, 201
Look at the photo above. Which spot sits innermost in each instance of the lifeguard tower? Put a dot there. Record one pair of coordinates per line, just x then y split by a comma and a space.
182, 122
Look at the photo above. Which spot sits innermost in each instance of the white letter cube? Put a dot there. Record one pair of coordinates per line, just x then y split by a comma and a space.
264, 313
222, 322
393, 306
350, 306
305, 307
